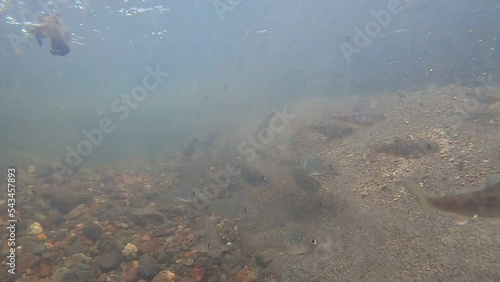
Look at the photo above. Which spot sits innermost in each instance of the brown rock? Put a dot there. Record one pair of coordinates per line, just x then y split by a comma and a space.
146, 260
161, 277
87, 242
147, 215
44, 270
132, 274
148, 247
27, 261
196, 273
102, 277
51, 218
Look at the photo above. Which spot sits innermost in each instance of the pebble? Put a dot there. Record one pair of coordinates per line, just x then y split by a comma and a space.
197, 274
165, 258
148, 272
58, 275
164, 276
189, 262
77, 212
27, 261
35, 228
129, 251
184, 247
132, 274
44, 270
93, 231
76, 258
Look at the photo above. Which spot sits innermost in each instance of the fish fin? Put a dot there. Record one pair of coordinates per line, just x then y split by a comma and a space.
414, 188
460, 219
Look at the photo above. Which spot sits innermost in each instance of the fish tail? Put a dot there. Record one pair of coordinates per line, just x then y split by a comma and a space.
414, 188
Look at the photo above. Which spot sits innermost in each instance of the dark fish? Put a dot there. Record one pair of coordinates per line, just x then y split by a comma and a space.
304, 181
253, 176
482, 202
290, 239
311, 164
362, 119
409, 149
332, 130
191, 148
52, 26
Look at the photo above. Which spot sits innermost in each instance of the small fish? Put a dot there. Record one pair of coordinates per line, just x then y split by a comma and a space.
193, 198
304, 181
232, 208
361, 119
332, 130
191, 148
293, 239
253, 176
185, 195
409, 149
482, 202
210, 243
311, 164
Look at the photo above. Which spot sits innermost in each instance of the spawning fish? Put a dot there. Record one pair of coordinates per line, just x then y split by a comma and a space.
210, 243
232, 208
362, 119
332, 130
291, 239
483, 202
304, 181
311, 164
409, 149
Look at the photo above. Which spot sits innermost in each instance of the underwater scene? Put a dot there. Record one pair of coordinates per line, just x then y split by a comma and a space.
239, 141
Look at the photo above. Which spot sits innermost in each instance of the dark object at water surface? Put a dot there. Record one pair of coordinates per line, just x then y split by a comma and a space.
52, 26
